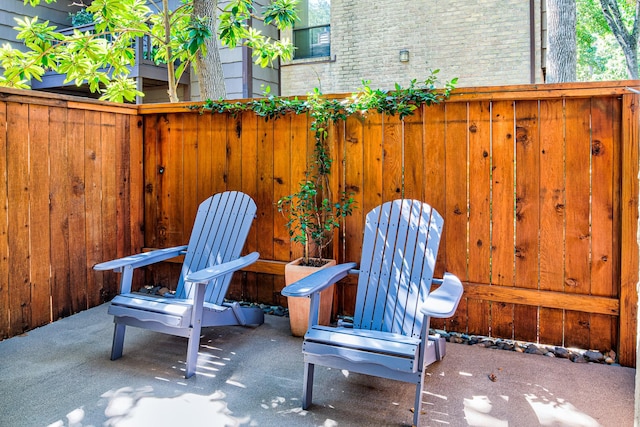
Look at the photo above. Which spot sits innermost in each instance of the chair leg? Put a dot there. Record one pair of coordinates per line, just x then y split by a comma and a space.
118, 341
192, 352
307, 392
417, 407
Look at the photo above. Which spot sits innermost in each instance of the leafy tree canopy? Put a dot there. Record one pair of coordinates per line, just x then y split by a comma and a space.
102, 58
600, 56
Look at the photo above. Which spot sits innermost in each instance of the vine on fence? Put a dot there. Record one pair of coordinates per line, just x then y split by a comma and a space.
401, 101
313, 215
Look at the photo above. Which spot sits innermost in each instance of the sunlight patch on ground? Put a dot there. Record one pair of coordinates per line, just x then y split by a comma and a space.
552, 412
278, 403
236, 383
74, 418
477, 413
134, 408
439, 396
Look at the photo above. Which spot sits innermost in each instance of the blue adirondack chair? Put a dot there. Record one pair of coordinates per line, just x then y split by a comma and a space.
394, 302
212, 255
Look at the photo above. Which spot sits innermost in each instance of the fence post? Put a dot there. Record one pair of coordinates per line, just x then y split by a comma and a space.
629, 230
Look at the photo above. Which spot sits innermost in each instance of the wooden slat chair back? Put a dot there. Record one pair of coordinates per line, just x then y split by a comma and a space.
396, 268
394, 303
220, 230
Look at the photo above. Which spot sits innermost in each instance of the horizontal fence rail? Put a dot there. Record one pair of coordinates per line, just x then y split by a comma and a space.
537, 187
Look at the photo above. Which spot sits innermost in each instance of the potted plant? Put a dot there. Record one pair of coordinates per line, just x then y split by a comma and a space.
314, 215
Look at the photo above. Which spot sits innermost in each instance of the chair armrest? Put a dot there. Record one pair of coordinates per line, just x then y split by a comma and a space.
443, 302
207, 274
140, 260
317, 281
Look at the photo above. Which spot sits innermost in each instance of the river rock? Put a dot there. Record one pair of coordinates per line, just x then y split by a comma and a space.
593, 356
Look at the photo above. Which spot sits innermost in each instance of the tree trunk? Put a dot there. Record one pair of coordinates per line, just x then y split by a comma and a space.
628, 41
209, 66
171, 73
561, 26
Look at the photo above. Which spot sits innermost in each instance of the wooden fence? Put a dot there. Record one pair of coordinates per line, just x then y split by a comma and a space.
70, 193
538, 188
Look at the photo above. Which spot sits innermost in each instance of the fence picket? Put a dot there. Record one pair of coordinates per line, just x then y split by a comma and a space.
77, 218
434, 131
552, 213
413, 156
525, 317
60, 213
479, 177
455, 212
5, 284
18, 219
577, 221
392, 159
502, 213
39, 243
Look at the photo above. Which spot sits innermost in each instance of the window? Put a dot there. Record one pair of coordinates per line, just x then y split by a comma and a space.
311, 34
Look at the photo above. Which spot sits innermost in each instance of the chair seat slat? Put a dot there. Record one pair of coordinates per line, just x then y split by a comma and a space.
362, 355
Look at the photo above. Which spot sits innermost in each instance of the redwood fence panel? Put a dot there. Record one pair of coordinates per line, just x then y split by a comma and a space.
537, 185
68, 201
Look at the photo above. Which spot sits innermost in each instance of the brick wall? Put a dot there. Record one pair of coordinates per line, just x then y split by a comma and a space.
482, 42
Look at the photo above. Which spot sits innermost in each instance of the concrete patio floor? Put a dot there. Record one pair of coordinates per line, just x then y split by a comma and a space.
61, 375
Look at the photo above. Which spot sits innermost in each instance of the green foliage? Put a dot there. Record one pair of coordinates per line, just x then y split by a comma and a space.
82, 17
312, 216
600, 56
401, 101
234, 29
103, 57
312, 211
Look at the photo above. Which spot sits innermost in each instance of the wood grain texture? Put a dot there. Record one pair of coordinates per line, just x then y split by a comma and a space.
525, 318
582, 289
5, 285
479, 176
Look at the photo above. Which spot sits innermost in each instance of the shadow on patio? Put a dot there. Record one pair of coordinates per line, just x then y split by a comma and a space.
61, 375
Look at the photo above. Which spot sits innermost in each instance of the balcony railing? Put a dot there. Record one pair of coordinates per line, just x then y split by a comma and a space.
144, 65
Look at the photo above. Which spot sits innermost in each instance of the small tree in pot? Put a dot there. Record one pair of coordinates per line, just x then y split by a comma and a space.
313, 213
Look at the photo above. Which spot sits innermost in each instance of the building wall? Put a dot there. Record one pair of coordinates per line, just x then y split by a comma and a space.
243, 78
482, 43
56, 13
